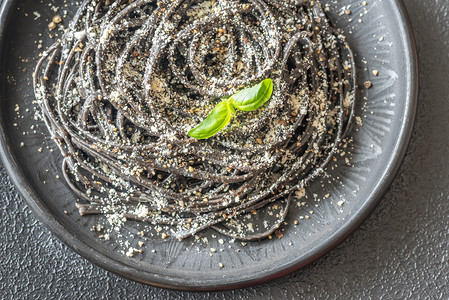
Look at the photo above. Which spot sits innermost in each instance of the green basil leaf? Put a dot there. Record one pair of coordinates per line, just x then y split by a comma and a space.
217, 119
254, 97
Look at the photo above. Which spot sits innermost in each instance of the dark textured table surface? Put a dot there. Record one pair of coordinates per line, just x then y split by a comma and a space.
400, 251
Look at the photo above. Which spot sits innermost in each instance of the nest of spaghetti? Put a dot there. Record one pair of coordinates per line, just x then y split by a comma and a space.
127, 81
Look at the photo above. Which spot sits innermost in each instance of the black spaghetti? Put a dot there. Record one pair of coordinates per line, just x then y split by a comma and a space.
127, 81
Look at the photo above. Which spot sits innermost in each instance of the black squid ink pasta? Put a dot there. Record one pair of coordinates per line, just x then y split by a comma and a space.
122, 88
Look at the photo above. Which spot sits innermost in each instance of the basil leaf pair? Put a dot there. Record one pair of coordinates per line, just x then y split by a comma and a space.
248, 99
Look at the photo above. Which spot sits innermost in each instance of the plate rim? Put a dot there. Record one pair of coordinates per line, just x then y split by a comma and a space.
104, 261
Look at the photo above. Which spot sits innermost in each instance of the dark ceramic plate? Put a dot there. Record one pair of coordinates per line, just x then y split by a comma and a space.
382, 41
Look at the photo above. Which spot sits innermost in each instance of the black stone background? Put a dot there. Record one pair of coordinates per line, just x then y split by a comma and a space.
400, 252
